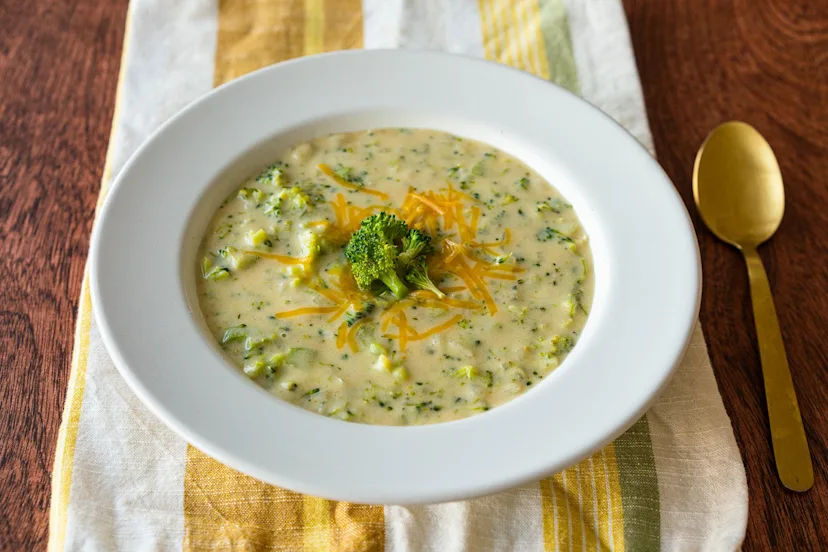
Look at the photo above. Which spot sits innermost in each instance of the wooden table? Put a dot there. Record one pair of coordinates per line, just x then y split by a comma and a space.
702, 62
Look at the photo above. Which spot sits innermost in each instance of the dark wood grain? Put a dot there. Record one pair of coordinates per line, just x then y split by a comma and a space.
58, 71
702, 62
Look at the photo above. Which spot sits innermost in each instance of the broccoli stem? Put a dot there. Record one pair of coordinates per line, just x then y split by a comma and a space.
395, 284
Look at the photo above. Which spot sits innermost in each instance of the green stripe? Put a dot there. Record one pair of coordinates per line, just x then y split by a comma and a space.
558, 45
639, 488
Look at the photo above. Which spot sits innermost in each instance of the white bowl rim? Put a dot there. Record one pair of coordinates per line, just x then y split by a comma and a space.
651, 283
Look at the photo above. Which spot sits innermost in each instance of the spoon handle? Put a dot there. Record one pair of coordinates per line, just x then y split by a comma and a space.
790, 446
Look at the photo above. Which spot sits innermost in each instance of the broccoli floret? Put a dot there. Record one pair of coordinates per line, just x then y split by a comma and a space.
418, 277
237, 259
313, 245
353, 317
251, 195
388, 226
373, 253
414, 245
271, 175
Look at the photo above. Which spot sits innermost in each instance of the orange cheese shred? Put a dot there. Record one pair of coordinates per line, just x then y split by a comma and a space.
340, 311
428, 202
341, 335
284, 259
439, 328
305, 310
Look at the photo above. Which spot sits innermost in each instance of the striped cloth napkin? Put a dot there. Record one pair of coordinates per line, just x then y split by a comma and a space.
122, 480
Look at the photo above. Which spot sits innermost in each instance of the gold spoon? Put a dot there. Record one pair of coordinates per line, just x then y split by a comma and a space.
738, 190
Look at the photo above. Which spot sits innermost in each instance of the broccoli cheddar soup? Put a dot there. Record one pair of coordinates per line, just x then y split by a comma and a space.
395, 277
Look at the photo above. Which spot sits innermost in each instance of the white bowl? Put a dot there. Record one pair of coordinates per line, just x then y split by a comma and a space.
143, 281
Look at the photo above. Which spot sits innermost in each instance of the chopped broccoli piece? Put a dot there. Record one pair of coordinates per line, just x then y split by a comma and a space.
257, 238
254, 369
415, 244
271, 175
383, 364
418, 277
562, 344
400, 373
273, 205
236, 333
548, 234
238, 260
251, 195
312, 243
299, 200
509, 199
253, 342
555, 205
353, 317
467, 372
377, 349
373, 253
347, 174
296, 199
217, 273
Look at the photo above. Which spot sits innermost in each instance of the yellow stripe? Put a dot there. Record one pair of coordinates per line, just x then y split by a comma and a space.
343, 24
498, 17
317, 518
227, 510
562, 522
314, 27
485, 26
224, 508
537, 38
68, 432
515, 34
532, 35
550, 517
256, 33
588, 508
616, 508
602, 499
492, 39
581, 506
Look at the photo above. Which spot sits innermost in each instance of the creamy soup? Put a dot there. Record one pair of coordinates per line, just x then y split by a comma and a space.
395, 277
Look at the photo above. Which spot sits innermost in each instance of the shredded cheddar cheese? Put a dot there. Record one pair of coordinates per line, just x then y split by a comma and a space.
437, 214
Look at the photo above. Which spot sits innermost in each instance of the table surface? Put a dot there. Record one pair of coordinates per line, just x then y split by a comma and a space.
702, 62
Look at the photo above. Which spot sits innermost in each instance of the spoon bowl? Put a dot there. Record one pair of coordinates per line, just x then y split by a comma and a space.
737, 187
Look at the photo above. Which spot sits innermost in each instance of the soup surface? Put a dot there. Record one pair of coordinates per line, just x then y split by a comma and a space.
491, 304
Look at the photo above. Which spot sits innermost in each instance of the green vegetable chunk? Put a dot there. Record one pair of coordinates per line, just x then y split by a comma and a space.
548, 234
271, 175
236, 333
353, 317
415, 244
373, 252
418, 277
